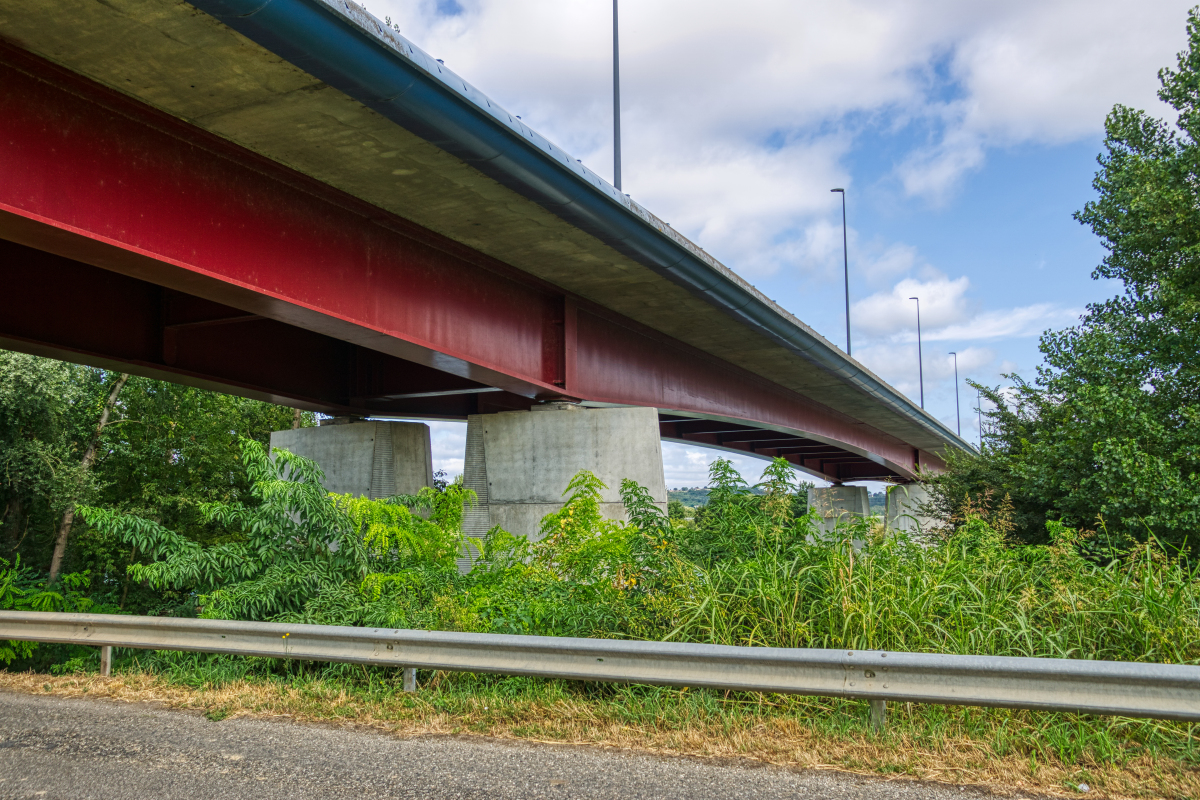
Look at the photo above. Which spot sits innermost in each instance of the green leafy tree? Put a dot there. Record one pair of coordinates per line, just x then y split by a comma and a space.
739, 519
1108, 435
25, 589
48, 411
290, 542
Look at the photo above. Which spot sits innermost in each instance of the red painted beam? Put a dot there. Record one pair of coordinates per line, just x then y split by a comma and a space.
65, 309
375, 305
91, 175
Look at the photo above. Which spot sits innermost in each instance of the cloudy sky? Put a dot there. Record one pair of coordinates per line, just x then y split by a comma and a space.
965, 135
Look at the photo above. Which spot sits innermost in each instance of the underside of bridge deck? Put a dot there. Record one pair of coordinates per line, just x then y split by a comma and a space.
132, 240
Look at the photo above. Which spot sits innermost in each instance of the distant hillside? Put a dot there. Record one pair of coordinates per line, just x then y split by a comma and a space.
699, 497
689, 497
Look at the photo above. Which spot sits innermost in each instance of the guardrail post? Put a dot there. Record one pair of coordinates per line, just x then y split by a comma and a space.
878, 714
105, 661
410, 679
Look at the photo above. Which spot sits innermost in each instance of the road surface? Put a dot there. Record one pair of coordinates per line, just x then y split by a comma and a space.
76, 748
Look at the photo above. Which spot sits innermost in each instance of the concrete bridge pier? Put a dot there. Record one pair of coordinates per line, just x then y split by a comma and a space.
839, 504
904, 508
519, 462
375, 459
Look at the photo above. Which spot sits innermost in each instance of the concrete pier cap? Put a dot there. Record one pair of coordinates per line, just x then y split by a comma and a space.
519, 462
365, 457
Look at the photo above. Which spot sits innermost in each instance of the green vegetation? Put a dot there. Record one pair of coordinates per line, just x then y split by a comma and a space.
747, 570
1107, 438
696, 497
692, 498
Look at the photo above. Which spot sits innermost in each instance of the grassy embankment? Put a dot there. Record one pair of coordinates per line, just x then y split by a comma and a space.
745, 572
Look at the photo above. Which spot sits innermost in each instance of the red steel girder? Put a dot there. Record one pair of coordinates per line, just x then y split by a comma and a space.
102, 181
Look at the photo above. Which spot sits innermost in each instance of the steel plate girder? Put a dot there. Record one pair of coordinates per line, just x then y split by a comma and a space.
94, 177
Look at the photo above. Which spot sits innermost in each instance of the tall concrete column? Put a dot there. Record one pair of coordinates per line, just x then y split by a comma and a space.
904, 508
519, 462
836, 504
375, 459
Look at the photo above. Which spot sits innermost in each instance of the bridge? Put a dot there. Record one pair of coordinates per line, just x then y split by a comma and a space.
287, 200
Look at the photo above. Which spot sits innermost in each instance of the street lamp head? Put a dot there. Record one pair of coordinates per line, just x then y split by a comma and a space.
843, 191
914, 298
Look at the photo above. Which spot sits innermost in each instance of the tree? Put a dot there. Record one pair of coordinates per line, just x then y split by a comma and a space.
85, 467
75, 435
45, 406
1108, 436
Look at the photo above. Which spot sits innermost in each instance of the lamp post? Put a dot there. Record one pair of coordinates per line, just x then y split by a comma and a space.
845, 265
957, 410
616, 104
920, 360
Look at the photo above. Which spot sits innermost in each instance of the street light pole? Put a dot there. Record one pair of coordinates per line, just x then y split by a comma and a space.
957, 410
845, 265
920, 360
616, 104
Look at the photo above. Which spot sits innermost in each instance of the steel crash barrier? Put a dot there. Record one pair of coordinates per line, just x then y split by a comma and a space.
1161, 691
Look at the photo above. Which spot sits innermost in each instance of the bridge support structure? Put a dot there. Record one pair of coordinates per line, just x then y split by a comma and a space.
839, 504
905, 508
520, 462
366, 459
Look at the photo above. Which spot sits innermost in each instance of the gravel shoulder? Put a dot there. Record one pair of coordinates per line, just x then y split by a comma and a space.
53, 747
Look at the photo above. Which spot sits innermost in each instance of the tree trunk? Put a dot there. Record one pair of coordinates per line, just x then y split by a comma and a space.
297, 415
14, 515
89, 455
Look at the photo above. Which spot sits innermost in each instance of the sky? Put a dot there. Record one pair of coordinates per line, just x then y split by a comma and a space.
964, 134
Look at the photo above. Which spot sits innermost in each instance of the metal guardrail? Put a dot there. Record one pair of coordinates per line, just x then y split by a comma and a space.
1161, 691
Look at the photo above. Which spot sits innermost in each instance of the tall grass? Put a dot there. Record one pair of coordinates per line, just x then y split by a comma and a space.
969, 593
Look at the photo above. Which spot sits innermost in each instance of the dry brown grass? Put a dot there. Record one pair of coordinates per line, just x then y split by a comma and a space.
786, 742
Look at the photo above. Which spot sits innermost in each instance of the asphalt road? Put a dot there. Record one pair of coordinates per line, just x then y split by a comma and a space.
70, 748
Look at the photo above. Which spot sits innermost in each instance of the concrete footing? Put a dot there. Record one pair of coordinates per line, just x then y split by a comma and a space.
375, 459
904, 504
836, 504
519, 462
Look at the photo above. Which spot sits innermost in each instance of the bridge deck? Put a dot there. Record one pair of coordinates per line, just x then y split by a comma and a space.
172, 151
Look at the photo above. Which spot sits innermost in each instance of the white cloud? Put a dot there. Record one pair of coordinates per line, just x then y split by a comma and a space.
1008, 323
949, 315
943, 302
739, 103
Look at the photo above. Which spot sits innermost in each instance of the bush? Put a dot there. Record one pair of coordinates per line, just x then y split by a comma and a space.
746, 571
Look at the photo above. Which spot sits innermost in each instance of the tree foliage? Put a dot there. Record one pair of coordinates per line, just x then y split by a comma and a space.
166, 451
292, 543
45, 408
1108, 435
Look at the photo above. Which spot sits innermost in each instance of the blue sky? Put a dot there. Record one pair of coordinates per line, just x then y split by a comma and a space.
965, 135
